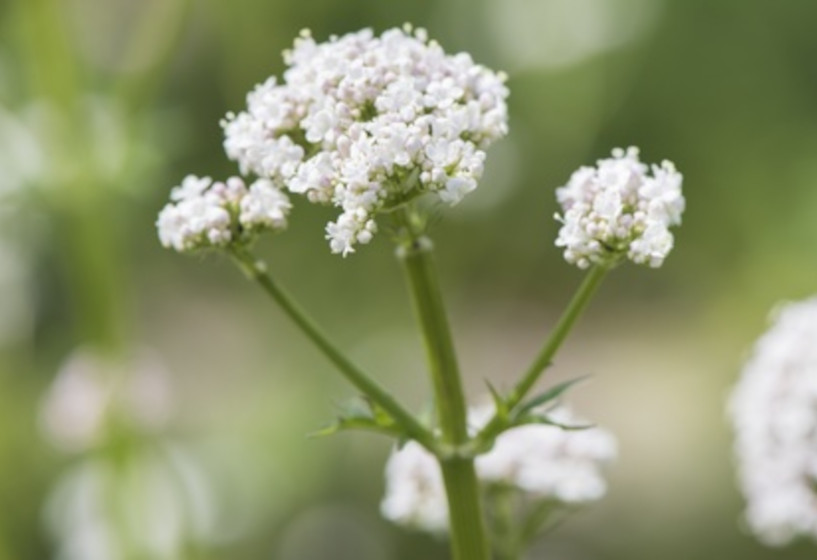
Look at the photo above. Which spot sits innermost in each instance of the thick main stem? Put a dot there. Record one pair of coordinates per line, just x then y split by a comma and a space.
442, 359
255, 270
467, 524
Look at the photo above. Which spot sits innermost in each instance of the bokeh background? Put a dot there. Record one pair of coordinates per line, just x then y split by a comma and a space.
105, 104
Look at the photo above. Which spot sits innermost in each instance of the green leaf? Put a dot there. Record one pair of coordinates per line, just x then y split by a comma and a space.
550, 395
542, 419
500, 403
361, 414
357, 423
379, 414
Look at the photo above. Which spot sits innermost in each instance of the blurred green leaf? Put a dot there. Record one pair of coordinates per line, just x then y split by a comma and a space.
548, 396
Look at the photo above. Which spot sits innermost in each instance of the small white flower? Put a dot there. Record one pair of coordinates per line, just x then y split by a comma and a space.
618, 209
192, 187
264, 205
774, 412
456, 188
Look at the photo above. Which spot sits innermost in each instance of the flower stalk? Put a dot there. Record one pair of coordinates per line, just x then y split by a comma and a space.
256, 271
467, 524
574, 309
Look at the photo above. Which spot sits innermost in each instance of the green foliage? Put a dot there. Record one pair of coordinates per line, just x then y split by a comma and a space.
362, 414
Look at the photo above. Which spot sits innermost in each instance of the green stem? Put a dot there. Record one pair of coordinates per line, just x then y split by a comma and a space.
256, 270
467, 524
505, 530
153, 42
581, 298
535, 522
574, 309
442, 359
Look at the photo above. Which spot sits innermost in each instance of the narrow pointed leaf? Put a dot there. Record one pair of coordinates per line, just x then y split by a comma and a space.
499, 401
357, 423
550, 395
541, 419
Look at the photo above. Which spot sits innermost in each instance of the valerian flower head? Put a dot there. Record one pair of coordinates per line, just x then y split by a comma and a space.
203, 213
620, 208
366, 123
774, 412
542, 462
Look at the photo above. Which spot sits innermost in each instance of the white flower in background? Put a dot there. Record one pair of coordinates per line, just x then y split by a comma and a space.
155, 502
542, 461
207, 214
549, 462
774, 412
620, 208
548, 35
90, 391
415, 494
365, 122
39, 146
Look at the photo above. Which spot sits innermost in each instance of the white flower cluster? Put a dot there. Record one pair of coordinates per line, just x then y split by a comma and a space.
204, 213
619, 209
415, 494
90, 391
542, 461
154, 502
365, 123
774, 412
548, 461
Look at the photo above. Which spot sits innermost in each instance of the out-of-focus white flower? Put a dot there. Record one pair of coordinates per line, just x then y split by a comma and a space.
553, 34
547, 461
365, 123
207, 214
774, 412
543, 462
91, 390
154, 503
38, 146
619, 209
415, 495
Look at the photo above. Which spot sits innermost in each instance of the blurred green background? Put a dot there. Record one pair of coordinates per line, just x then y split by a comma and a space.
105, 104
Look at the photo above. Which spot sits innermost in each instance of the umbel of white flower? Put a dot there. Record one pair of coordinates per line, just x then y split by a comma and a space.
365, 123
774, 412
543, 462
620, 208
207, 214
